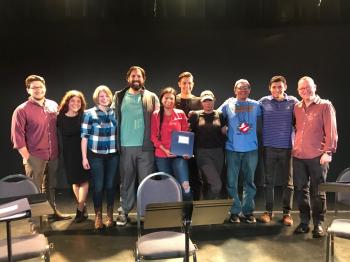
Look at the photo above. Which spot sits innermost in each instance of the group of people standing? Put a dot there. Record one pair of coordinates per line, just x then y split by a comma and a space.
129, 134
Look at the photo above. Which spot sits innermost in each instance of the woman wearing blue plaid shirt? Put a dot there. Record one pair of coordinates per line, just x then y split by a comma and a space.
99, 152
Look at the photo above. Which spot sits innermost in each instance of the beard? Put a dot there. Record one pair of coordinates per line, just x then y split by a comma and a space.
136, 85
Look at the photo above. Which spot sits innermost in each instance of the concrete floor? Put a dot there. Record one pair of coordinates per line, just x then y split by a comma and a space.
226, 243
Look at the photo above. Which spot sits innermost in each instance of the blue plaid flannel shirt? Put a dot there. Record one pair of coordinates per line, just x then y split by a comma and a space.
100, 130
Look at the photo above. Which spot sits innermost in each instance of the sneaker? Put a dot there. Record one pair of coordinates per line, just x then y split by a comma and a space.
302, 228
234, 218
250, 219
287, 220
122, 218
317, 232
266, 217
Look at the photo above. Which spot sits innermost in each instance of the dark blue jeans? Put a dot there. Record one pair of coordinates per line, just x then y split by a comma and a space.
177, 167
104, 172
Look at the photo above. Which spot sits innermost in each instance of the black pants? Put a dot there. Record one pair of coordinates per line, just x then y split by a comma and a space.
277, 162
308, 174
210, 162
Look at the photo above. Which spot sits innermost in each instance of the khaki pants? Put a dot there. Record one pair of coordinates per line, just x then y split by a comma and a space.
43, 173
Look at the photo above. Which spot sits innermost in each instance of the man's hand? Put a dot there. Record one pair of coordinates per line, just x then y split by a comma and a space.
325, 158
24, 153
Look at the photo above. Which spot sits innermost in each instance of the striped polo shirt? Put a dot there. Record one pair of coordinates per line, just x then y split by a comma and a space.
277, 119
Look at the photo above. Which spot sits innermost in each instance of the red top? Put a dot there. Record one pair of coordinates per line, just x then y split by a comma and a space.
34, 126
315, 129
176, 121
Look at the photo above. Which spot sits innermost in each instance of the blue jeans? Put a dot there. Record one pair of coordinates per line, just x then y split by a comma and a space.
177, 167
103, 172
246, 163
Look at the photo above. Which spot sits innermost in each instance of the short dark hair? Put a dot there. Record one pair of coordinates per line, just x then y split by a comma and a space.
184, 74
33, 78
143, 72
275, 79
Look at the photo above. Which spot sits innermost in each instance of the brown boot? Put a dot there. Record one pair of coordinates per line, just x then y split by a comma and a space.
98, 218
110, 223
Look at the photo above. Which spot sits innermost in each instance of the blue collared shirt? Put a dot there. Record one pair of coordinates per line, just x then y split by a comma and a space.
277, 121
100, 129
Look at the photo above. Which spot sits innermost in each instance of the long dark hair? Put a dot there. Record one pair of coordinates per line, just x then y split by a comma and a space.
63, 108
166, 90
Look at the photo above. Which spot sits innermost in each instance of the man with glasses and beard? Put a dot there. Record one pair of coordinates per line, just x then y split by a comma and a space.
133, 107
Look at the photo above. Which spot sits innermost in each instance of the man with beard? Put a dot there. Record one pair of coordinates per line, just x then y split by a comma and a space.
34, 135
133, 107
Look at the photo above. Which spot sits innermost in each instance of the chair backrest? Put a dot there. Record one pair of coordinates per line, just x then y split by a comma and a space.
344, 177
17, 185
156, 188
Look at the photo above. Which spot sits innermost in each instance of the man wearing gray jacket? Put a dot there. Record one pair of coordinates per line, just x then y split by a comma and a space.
133, 108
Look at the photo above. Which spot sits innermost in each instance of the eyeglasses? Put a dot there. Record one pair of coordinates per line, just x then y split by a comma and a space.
36, 87
243, 88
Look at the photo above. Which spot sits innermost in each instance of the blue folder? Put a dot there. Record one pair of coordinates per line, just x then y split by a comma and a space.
182, 143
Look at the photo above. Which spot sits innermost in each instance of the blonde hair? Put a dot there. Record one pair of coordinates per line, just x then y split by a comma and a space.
100, 89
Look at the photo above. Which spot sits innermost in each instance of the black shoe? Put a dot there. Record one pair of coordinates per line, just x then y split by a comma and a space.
317, 232
79, 217
250, 219
234, 218
302, 228
85, 213
57, 216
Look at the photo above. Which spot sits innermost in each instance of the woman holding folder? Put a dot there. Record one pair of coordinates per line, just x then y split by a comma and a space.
164, 121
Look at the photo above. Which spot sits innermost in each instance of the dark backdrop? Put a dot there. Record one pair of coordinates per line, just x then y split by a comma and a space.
84, 45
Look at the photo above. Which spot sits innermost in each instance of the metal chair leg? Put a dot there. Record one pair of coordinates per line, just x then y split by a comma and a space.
194, 257
332, 247
328, 247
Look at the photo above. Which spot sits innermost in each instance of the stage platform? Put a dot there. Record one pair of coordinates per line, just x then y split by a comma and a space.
219, 243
